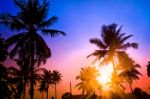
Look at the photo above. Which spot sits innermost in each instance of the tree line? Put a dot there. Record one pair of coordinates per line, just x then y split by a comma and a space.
27, 48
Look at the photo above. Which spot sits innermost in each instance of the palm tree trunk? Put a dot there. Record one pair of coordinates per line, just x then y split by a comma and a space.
83, 92
55, 92
32, 67
24, 91
47, 93
113, 63
42, 95
131, 88
32, 84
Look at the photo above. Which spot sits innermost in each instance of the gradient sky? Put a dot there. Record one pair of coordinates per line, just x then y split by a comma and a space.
82, 20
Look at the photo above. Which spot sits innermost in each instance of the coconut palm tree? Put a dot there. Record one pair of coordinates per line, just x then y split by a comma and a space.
130, 73
42, 88
29, 22
21, 76
46, 80
88, 82
4, 83
148, 69
56, 77
111, 45
5, 91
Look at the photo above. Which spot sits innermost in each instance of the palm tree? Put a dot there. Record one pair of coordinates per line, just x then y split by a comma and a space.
112, 44
3, 50
42, 88
29, 22
4, 83
148, 69
130, 73
46, 80
20, 76
88, 82
21, 72
4, 89
56, 77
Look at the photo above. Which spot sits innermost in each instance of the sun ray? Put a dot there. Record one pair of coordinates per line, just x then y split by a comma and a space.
105, 72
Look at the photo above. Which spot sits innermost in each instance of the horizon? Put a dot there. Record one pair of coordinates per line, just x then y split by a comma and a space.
82, 20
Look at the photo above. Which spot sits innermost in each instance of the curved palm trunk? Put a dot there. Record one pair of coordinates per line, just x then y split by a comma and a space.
131, 88
55, 92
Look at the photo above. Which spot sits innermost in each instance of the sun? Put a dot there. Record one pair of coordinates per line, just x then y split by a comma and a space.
105, 72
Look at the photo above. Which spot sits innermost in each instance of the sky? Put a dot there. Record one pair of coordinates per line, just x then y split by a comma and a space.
82, 20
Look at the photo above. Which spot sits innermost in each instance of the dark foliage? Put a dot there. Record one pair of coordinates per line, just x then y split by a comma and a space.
141, 94
30, 21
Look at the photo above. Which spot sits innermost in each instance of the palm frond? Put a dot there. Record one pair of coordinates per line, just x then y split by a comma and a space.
119, 30
13, 71
43, 9
15, 38
129, 45
98, 53
12, 22
20, 4
49, 22
52, 32
98, 43
18, 45
42, 50
125, 38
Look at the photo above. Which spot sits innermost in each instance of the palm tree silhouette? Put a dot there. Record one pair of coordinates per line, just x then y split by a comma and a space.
42, 88
20, 75
148, 69
5, 91
88, 82
112, 44
30, 21
129, 71
56, 77
3, 50
4, 83
45, 81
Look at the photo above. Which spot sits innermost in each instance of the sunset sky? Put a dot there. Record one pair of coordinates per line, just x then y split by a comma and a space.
82, 20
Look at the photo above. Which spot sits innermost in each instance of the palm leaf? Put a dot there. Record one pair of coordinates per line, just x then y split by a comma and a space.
52, 32
98, 43
20, 4
98, 53
125, 38
49, 22
128, 45
15, 38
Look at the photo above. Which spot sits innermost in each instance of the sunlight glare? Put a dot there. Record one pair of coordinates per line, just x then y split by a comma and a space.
105, 72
